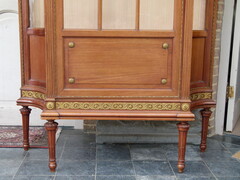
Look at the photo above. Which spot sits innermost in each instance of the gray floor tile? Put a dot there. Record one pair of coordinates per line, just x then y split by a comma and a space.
147, 154
41, 154
12, 153
191, 155
6, 177
228, 178
72, 132
113, 152
192, 169
230, 145
227, 138
155, 178
225, 169
234, 150
211, 144
9, 167
217, 155
79, 154
198, 178
34, 178
115, 178
83, 141
34, 168
76, 168
152, 168
115, 168
75, 178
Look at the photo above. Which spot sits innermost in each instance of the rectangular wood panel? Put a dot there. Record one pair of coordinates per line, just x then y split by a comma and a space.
118, 62
198, 59
119, 14
80, 14
37, 58
156, 14
199, 14
36, 13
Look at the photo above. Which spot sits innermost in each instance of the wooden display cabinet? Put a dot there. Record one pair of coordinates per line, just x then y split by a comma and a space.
117, 60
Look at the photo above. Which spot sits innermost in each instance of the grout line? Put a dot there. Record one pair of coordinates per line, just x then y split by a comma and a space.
60, 157
209, 169
96, 162
165, 154
135, 174
20, 165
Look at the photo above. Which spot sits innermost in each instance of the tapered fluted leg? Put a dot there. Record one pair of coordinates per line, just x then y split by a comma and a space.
51, 127
182, 141
25, 111
206, 114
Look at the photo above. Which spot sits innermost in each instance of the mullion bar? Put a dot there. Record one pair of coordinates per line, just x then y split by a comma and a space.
100, 14
137, 14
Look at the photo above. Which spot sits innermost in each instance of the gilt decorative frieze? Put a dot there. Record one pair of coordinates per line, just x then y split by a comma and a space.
201, 96
119, 106
33, 94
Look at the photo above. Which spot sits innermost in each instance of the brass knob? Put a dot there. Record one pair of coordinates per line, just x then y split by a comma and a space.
71, 80
165, 46
164, 81
71, 44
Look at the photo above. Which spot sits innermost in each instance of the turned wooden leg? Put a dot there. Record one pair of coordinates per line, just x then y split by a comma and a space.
182, 141
25, 111
51, 127
206, 114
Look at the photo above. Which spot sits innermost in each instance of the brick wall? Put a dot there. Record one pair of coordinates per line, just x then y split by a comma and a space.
90, 126
216, 61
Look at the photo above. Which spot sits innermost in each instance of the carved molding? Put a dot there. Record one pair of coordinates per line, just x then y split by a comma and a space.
50, 105
33, 94
201, 96
122, 106
185, 106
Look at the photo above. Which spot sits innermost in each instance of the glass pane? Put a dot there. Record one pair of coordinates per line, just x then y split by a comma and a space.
119, 14
36, 13
199, 14
156, 14
80, 14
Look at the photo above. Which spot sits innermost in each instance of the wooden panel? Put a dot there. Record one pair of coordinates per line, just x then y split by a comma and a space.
119, 14
37, 58
198, 53
156, 14
81, 14
36, 13
199, 14
118, 62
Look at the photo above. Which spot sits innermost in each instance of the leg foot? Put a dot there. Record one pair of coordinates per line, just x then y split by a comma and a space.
51, 128
25, 111
182, 141
206, 114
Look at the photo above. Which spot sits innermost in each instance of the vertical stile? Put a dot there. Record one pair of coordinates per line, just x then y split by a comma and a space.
99, 14
137, 14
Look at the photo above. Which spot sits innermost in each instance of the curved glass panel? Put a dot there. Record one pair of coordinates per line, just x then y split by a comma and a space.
36, 8
199, 14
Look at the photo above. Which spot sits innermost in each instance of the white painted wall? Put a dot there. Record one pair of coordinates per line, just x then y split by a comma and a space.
10, 70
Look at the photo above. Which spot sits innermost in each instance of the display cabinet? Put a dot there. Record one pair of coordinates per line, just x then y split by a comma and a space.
117, 60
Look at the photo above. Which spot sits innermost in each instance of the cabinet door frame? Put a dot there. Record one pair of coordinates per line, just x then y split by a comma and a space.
54, 43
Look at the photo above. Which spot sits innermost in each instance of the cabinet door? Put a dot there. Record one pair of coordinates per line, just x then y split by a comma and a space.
119, 48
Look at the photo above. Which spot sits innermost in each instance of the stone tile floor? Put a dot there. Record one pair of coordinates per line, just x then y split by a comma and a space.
79, 158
